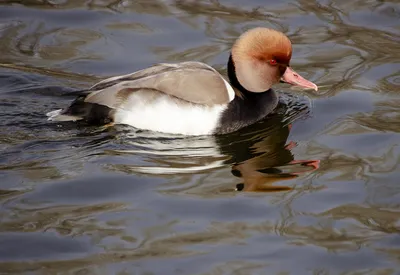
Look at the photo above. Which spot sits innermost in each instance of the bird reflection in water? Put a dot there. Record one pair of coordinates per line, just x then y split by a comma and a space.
262, 158
260, 154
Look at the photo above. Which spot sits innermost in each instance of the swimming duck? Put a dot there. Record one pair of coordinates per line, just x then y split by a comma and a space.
192, 98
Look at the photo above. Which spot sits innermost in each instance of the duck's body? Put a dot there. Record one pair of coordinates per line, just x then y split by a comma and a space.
192, 98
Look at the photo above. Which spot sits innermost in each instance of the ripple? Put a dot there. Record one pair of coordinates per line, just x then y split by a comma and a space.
312, 189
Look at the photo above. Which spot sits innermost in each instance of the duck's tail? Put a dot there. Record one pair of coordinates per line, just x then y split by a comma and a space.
67, 114
79, 109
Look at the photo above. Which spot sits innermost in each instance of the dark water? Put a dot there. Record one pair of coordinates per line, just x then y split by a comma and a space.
314, 189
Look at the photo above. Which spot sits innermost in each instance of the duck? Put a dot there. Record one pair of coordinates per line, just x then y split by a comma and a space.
192, 98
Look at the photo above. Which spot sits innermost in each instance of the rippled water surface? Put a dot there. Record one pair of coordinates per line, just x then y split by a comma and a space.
313, 189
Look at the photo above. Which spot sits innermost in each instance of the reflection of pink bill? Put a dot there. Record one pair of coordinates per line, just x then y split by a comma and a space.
309, 163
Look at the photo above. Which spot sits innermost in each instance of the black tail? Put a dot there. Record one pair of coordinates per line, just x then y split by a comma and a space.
79, 109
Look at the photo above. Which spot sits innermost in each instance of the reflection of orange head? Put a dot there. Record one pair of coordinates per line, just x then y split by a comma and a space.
256, 181
257, 178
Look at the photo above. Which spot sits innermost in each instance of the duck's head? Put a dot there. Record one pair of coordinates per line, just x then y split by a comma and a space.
260, 58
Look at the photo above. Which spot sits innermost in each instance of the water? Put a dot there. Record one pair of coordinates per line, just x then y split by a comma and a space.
313, 189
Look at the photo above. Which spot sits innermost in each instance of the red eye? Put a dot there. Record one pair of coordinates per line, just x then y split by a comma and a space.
273, 62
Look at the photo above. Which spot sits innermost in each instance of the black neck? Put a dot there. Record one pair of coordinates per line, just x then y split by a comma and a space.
246, 109
232, 76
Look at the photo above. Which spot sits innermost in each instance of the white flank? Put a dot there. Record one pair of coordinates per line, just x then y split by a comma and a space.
163, 114
230, 90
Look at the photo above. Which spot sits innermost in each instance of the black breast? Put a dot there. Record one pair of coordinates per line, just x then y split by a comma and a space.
241, 112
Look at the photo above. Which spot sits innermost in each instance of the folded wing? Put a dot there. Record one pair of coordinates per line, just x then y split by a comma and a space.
194, 82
